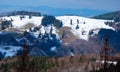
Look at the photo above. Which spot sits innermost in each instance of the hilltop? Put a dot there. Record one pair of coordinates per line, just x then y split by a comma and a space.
14, 13
108, 16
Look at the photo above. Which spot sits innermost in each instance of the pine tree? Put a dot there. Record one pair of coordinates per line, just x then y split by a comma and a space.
51, 29
30, 16
58, 23
2, 55
77, 21
23, 59
71, 21
63, 34
77, 27
105, 52
48, 20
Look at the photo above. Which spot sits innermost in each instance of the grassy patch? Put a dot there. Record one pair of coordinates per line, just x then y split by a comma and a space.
66, 34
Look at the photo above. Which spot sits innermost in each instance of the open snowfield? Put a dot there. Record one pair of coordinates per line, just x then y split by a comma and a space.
85, 24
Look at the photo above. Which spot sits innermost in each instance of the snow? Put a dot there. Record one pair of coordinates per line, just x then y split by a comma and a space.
85, 24
44, 53
72, 54
109, 62
53, 48
9, 50
90, 24
17, 22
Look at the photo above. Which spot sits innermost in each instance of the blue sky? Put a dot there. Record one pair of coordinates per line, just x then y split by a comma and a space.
110, 5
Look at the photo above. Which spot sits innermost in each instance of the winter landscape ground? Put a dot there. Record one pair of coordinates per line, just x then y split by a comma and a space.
61, 39
59, 36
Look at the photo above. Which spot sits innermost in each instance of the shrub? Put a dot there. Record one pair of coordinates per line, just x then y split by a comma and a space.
48, 20
58, 24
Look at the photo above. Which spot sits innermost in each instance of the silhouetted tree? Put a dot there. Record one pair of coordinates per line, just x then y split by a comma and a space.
105, 52
30, 16
2, 55
5, 24
51, 29
71, 21
84, 22
118, 66
117, 19
63, 34
58, 24
48, 20
21, 17
77, 21
23, 59
77, 27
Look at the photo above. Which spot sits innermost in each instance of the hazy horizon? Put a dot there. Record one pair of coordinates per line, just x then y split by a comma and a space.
60, 7
109, 5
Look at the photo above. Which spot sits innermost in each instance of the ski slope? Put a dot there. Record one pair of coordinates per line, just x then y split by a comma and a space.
85, 24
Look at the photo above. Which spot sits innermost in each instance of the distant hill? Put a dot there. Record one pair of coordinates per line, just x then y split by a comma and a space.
13, 13
53, 11
108, 16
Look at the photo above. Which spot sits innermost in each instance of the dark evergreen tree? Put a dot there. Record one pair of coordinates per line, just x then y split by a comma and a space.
23, 59
5, 24
48, 20
30, 16
77, 21
71, 21
77, 27
58, 23
118, 67
117, 19
63, 34
51, 29
2, 55
40, 35
21, 17
84, 22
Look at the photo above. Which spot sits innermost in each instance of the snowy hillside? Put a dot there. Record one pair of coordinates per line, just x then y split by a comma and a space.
86, 25
17, 22
77, 27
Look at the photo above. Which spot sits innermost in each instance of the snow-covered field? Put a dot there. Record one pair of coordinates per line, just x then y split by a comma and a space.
17, 22
9, 50
85, 24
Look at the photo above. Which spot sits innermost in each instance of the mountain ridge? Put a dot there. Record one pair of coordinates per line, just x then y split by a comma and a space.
53, 11
108, 16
